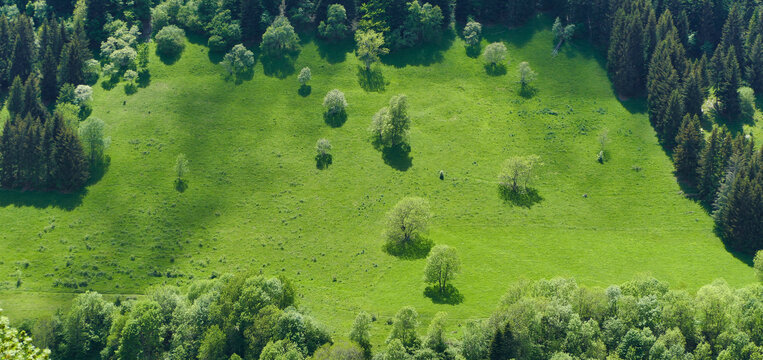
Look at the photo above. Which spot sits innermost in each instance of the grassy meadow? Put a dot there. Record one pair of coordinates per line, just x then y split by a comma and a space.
256, 201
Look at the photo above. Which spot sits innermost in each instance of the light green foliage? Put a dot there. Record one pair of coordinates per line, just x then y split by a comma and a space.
747, 102
423, 21
369, 45
472, 33
86, 326
526, 74
280, 39
404, 328
390, 125
239, 60
83, 94
518, 172
130, 76
495, 53
304, 76
213, 345
361, 331
395, 351
339, 351
141, 335
124, 57
69, 113
758, 264
181, 167
334, 102
476, 340
443, 265
323, 147
94, 140
435, 339
335, 26
224, 31
281, 350
408, 220
170, 41
91, 71
16, 345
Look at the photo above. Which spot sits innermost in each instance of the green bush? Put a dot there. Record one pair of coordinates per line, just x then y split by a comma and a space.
170, 41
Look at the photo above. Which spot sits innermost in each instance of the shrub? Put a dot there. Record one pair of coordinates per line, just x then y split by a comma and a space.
170, 41
280, 39
472, 33
334, 102
304, 76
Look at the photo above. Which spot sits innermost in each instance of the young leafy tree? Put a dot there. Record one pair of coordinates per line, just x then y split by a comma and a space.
323, 148
181, 167
526, 74
443, 265
304, 76
435, 338
360, 332
561, 33
408, 220
758, 264
86, 326
518, 172
472, 33
170, 41
335, 26
91, 132
495, 54
334, 102
392, 123
140, 338
280, 39
239, 60
213, 344
689, 143
369, 46
404, 328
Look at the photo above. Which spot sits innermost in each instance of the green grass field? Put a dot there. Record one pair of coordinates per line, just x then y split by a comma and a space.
256, 200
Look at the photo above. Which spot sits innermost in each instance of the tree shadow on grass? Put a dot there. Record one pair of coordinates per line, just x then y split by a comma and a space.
181, 185
495, 69
473, 51
398, 157
334, 51
278, 67
110, 83
448, 296
98, 171
525, 199
323, 161
238, 78
527, 91
371, 80
418, 248
169, 59
335, 120
305, 90
41, 199
144, 79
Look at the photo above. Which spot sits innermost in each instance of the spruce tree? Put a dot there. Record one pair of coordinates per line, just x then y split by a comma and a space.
754, 70
49, 70
662, 81
73, 59
70, 160
728, 86
23, 56
689, 144
650, 36
32, 103
8, 149
694, 94
742, 228
15, 103
6, 51
712, 162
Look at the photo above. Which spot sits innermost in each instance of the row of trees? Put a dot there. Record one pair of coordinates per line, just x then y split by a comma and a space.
251, 317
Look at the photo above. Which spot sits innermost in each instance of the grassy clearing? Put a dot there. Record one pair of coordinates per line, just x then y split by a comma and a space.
255, 199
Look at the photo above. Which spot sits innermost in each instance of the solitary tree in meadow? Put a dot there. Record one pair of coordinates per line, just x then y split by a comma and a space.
323, 148
495, 54
518, 172
181, 168
443, 265
408, 220
334, 102
370, 45
91, 133
304, 76
526, 74
561, 33
391, 123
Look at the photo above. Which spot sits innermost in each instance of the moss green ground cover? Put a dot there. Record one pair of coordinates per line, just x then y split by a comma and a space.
255, 199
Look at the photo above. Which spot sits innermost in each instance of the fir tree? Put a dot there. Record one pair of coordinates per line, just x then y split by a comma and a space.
712, 162
6, 51
689, 143
754, 70
70, 158
728, 86
32, 103
15, 102
663, 81
694, 94
73, 57
49, 70
23, 56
